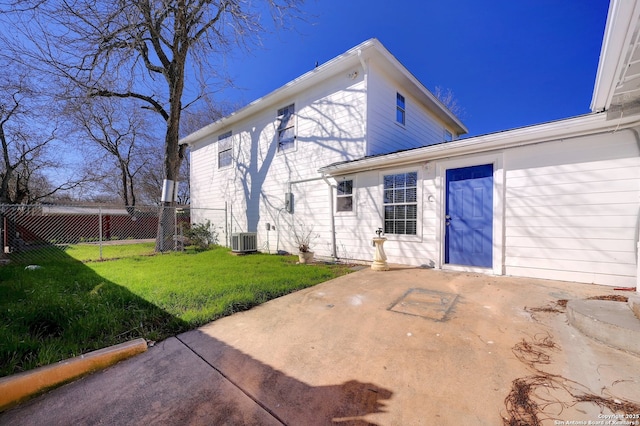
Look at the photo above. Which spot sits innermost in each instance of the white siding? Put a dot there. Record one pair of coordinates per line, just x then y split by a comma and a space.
572, 209
329, 128
354, 232
384, 134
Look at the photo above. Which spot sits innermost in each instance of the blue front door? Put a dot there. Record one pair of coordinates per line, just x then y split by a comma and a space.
469, 216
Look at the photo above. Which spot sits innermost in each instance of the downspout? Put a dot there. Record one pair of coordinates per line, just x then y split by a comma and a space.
634, 131
364, 65
636, 135
332, 221
365, 122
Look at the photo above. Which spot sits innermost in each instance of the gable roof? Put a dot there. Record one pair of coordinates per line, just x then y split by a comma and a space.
372, 50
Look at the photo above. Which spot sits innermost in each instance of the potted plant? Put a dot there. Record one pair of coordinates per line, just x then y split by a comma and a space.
304, 236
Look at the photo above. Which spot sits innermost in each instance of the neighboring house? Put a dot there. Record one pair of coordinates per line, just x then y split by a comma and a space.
559, 200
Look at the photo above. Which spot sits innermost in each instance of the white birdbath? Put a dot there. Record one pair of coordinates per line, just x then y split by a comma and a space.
379, 257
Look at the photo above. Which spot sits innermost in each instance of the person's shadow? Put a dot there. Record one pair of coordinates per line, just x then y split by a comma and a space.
289, 400
196, 379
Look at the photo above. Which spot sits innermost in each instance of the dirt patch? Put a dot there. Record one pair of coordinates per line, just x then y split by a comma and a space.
612, 297
560, 305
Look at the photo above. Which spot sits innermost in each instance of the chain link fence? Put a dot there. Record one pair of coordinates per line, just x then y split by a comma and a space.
34, 233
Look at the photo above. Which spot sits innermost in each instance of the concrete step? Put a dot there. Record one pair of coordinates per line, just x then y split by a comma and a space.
634, 304
609, 322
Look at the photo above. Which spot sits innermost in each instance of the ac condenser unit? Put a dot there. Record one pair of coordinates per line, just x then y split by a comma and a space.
244, 242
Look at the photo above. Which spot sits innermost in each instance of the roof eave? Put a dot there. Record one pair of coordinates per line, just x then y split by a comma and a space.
329, 68
621, 18
562, 129
284, 92
437, 107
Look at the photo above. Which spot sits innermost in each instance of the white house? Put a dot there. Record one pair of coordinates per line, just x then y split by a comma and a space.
362, 103
362, 145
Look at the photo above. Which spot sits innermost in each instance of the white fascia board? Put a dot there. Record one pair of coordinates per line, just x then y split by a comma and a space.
622, 18
286, 92
424, 94
336, 65
562, 129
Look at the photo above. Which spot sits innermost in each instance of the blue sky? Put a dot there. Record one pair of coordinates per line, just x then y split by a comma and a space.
509, 63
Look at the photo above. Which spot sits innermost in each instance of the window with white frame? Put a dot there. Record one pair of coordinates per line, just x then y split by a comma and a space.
400, 109
344, 195
225, 150
286, 128
401, 203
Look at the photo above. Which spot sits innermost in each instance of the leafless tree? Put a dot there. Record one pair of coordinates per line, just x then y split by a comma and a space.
141, 49
447, 97
27, 138
123, 137
194, 119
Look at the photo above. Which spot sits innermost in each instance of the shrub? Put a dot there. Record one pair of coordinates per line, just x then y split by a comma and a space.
202, 235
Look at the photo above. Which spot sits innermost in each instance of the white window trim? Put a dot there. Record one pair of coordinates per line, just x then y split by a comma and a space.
420, 208
229, 140
295, 130
498, 210
352, 178
404, 111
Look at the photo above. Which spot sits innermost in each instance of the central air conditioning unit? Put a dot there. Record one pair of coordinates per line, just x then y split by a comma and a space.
244, 242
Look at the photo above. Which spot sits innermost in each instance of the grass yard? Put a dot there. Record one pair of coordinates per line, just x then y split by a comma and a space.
68, 307
88, 252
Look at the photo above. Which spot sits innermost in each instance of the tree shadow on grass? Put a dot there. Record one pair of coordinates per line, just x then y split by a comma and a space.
62, 308
65, 309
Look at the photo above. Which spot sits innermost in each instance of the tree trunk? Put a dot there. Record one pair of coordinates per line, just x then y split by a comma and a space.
172, 159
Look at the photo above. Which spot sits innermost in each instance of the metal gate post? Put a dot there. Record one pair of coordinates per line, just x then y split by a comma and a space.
175, 228
226, 226
100, 230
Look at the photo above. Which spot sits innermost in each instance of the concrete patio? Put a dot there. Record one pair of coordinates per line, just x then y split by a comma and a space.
403, 347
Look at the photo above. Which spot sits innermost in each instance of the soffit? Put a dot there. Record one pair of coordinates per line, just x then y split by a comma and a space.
627, 90
617, 85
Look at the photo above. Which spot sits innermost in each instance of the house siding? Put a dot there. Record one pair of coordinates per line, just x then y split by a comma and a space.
570, 211
354, 232
329, 128
385, 135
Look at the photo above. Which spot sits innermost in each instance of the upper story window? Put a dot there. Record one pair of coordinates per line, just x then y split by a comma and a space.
344, 196
225, 150
448, 136
400, 112
286, 128
401, 203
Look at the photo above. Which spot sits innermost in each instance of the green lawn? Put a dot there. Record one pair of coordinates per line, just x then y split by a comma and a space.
87, 252
69, 307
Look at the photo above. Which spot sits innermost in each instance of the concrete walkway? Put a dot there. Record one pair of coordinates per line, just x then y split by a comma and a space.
403, 347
